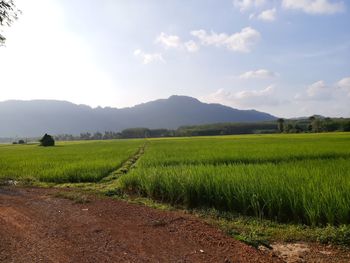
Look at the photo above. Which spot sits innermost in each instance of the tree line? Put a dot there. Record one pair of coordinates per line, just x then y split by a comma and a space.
313, 124
125, 134
305, 125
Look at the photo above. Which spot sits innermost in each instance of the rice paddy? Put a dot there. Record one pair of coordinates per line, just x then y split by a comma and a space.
302, 178
289, 178
67, 162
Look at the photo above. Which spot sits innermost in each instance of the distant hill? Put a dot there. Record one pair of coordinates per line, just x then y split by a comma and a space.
36, 117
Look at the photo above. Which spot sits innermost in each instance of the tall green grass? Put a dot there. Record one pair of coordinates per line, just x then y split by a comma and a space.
66, 162
299, 178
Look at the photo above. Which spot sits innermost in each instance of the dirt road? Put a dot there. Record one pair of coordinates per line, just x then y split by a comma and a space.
36, 226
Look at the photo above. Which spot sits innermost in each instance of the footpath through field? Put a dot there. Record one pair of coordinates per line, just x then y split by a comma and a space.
36, 226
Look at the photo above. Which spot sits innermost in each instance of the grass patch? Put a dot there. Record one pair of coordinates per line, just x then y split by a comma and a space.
264, 232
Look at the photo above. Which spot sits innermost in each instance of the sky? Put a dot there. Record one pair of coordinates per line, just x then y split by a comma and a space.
290, 58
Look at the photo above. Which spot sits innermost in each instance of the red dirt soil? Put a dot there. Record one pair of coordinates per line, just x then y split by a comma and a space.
36, 226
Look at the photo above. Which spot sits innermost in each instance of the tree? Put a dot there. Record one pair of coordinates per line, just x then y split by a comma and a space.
289, 128
97, 136
85, 136
8, 14
316, 124
47, 140
297, 128
280, 124
330, 125
136, 133
346, 126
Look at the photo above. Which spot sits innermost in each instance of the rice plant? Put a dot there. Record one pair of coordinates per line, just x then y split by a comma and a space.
300, 178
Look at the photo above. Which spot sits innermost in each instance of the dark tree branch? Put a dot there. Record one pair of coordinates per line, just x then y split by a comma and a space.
8, 13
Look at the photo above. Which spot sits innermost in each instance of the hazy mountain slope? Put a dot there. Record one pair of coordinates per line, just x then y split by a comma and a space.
33, 118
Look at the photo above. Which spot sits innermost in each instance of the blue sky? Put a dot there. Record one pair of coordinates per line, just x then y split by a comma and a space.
289, 58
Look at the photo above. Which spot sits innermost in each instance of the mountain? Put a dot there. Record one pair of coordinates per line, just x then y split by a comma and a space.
36, 117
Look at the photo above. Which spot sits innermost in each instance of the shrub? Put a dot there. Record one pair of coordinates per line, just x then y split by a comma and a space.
47, 140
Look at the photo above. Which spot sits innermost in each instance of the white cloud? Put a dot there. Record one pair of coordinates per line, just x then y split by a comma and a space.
315, 6
191, 46
244, 5
169, 41
258, 74
318, 90
344, 84
242, 41
268, 15
212, 39
173, 41
148, 58
254, 93
325, 99
245, 98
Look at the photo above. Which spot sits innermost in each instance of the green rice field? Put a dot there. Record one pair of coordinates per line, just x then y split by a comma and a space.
302, 178
67, 162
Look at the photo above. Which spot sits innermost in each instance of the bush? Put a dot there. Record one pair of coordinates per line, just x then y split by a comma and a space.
47, 140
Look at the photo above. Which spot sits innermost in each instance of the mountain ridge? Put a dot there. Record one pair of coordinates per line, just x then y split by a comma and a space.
35, 117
